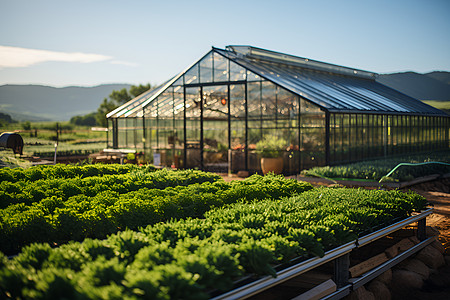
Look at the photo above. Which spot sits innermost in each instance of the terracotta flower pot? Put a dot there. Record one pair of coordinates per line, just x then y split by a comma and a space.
274, 165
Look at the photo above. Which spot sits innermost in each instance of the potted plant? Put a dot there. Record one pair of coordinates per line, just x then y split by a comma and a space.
271, 149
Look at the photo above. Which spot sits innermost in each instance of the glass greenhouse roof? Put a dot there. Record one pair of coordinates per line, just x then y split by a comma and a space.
333, 88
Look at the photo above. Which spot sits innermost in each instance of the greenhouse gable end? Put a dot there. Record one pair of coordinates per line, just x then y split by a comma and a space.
212, 115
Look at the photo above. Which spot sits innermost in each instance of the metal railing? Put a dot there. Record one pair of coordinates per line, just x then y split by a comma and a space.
267, 282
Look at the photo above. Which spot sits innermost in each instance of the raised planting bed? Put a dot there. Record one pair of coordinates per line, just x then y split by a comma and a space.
336, 266
74, 204
205, 257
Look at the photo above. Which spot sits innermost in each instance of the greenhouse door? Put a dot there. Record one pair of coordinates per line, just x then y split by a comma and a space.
192, 127
215, 128
207, 127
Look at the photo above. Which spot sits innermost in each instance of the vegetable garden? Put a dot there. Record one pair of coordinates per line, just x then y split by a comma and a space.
113, 231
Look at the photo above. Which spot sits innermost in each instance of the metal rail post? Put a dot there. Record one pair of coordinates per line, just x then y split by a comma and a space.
341, 270
421, 229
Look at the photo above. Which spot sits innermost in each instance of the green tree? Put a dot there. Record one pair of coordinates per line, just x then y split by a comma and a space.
86, 120
137, 90
26, 125
105, 107
120, 97
7, 118
117, 98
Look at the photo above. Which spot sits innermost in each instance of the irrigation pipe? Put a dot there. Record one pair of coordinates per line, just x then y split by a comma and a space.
412, 165
320, 176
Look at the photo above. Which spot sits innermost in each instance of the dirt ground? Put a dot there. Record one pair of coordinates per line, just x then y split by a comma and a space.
438, 194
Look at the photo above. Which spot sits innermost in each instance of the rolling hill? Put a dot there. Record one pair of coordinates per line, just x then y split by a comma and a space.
39, 103
429, 86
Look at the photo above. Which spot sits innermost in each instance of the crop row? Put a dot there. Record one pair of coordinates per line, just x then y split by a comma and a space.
376, 169
189, 258
74, 212
67, 171
61, 187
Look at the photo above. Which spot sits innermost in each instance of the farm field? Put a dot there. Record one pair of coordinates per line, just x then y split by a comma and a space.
116, 231
40, 138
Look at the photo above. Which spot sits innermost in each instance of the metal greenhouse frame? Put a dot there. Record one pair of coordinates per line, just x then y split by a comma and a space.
212, 115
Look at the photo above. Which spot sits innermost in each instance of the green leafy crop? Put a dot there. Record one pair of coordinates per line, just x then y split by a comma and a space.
192, 257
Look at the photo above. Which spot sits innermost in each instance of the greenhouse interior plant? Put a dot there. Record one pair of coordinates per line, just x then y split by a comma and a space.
271, 148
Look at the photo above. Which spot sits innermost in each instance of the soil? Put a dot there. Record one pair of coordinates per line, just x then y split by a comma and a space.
438, 194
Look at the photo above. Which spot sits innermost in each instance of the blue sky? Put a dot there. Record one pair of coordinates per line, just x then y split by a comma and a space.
62, 43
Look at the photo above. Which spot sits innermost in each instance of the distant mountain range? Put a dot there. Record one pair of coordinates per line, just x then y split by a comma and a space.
430, 86
39, 103
44, 103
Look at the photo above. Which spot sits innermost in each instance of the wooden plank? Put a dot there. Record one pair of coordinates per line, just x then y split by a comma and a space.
318, 292
399, 247
367, 265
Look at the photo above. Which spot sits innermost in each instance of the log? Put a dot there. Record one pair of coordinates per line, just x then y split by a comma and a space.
318, 292
367, 265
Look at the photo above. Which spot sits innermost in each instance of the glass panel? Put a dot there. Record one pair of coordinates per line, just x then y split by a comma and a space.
193, 128
179, 81
193, 101
215, 128
178, 133
165, 104
150, 111
254, 100
122, 138
312, 147
152, 134
237, 101
237, 145
206, 65
110, 133
178, 102
220, 68
139, 134
287, 109
252, 76
237, 72
191, 76
268, 100
215, 103
312, 135
237, 127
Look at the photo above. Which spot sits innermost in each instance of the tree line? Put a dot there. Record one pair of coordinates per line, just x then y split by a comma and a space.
114, 100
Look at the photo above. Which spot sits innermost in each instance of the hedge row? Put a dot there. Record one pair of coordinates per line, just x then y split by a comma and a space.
190, 258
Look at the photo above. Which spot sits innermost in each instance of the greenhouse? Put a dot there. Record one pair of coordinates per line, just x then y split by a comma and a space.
225, 110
